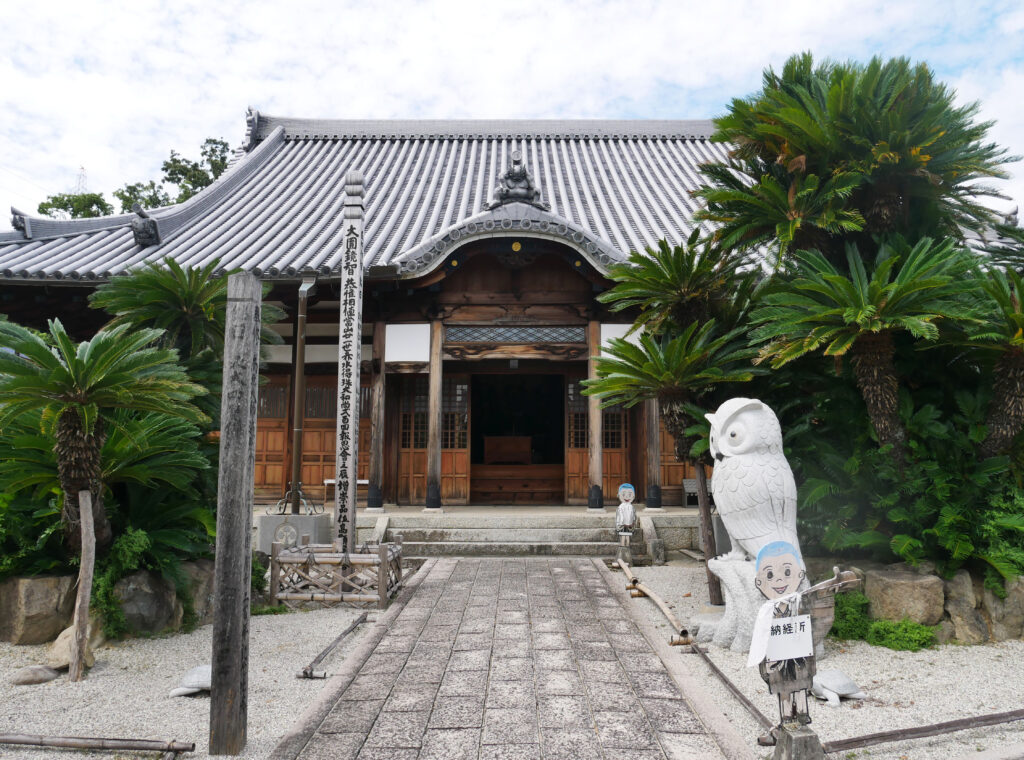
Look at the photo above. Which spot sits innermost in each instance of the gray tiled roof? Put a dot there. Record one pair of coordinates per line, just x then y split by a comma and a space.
612, 186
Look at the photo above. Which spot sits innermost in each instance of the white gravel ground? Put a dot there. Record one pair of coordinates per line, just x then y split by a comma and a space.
125, 694
904, 689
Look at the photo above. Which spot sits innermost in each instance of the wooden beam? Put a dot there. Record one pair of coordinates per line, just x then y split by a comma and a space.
652, 451
434, 417
230, 675
595, 497
375, 491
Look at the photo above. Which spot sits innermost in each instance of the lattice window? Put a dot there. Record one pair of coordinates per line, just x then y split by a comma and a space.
514, 334
321, 402
576, 410
273, 401
615, 427
414, 412
454, 413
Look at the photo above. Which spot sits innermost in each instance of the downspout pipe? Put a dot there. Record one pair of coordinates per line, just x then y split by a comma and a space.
299, 384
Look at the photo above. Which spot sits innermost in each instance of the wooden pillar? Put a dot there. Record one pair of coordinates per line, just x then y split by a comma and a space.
375, 492
434, 417
299, 392
230, 676
595, 496
652, 449
350, 347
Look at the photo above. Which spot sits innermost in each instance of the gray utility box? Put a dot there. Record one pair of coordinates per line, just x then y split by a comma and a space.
289, 529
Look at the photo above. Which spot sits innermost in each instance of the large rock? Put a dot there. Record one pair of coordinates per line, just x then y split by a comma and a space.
1006, 616
200, 584
35, 610
962, 607
896, 593
148, 601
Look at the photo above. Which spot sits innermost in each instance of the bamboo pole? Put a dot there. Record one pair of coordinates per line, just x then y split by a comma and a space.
85, 571
299, 596
88, 742
639, 589
310, 670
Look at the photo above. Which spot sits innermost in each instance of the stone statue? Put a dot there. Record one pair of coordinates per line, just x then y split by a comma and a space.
755, 494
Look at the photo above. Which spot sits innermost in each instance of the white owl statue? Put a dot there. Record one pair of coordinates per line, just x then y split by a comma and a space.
755, 494
752, 484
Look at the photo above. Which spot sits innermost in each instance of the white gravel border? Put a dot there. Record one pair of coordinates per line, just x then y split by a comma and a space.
125, 694
904, 688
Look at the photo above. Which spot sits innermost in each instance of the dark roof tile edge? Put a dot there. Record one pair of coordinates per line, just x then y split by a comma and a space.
338, 129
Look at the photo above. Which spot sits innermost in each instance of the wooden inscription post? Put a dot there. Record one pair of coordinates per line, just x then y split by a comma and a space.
235, 485
350, 346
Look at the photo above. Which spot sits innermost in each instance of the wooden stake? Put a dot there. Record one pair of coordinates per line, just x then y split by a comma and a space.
230, 674
707, 532
85, 570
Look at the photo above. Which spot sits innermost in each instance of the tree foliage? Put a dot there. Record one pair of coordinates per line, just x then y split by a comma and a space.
75, 206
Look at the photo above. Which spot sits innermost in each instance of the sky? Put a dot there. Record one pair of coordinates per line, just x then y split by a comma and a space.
100, 92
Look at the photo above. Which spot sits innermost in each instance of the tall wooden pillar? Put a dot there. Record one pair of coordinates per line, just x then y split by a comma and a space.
652, 433
375, 491
229, 680
595, 496
434, 417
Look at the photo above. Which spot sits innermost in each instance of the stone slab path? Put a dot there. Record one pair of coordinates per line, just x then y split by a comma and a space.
512, 659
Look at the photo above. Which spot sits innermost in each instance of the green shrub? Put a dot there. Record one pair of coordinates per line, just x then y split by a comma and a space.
904, 635
258, 580
31, 541
851, 620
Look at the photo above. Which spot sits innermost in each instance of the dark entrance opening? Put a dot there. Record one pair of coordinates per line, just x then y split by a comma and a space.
515, 407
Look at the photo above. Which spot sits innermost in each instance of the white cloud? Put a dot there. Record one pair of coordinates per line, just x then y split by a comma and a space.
114, 86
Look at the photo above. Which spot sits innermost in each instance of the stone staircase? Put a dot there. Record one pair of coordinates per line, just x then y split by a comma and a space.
449, 535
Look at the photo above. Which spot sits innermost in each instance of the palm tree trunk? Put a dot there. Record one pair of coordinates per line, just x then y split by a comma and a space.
676, 423
1006, 409
875, 372
79, 469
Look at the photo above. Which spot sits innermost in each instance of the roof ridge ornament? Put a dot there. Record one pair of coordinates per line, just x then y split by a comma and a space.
252, 123
21, 222
516, 186
144, 227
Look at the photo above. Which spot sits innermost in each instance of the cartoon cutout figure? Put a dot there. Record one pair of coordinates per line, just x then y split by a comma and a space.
780, 569
625, 515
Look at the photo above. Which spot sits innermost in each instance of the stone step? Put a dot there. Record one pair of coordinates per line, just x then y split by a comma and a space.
507, 549
504, 535
605, 519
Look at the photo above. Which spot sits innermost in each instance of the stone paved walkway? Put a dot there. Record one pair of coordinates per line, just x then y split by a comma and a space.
512, 659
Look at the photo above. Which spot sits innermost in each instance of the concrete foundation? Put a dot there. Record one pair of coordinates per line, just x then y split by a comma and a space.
797, 743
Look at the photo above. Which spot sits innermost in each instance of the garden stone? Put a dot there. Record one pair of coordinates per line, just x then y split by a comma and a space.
148, 602
35, 610
59, 654
200, 587
896, 593
961, 605
945, 632
33, 674
1007, 615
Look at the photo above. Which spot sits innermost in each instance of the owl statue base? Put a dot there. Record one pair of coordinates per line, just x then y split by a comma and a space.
742, 601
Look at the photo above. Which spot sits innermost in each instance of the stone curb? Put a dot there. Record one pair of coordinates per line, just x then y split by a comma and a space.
295, 740
732, 744
1012, 752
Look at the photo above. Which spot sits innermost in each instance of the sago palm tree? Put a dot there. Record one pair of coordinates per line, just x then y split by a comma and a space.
888, 148
822, 308
1002, 332
77, 387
